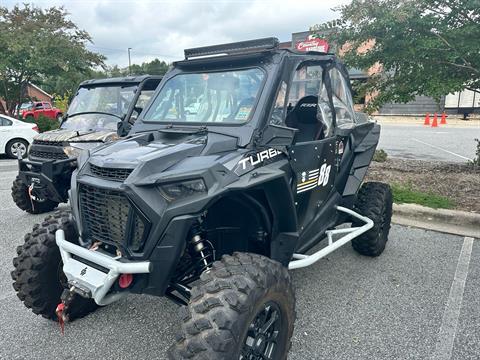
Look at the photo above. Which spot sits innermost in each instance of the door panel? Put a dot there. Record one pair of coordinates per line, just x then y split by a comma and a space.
314, 165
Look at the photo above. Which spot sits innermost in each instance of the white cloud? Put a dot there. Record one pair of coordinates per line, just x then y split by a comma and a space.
164, 28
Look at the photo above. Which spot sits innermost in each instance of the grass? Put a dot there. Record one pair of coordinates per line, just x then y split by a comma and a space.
405, 194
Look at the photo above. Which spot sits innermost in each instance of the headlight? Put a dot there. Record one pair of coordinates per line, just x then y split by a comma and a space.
182, 190
75, 149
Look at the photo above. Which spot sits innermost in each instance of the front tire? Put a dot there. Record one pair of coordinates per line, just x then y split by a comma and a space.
243, 308
22, 199
374, 201
38, 276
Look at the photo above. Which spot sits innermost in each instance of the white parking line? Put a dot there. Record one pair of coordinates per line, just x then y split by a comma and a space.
448, 330
441, 149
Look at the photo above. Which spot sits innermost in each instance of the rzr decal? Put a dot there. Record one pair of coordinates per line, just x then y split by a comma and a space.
314, 178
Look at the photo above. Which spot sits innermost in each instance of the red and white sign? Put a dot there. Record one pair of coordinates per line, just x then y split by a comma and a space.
312, 44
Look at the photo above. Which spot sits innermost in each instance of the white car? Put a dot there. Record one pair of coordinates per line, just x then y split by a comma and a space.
15, 136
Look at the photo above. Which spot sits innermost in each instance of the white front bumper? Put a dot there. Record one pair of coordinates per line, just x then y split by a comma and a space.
95, 282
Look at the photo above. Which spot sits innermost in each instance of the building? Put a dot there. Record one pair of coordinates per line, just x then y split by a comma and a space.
34, 93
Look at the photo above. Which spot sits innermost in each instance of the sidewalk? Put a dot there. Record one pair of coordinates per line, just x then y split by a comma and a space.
452, 120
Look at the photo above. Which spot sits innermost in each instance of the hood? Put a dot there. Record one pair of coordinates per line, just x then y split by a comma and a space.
62, 135
161, 150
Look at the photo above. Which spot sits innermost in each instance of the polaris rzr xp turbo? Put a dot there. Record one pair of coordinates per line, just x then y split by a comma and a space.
211, 208
101, 110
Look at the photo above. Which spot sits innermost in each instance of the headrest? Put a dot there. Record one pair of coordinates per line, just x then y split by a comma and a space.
306, 109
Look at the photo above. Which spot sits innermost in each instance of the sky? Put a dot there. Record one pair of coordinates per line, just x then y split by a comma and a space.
163, 28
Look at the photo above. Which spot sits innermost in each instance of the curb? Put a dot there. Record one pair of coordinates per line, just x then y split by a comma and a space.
442, 220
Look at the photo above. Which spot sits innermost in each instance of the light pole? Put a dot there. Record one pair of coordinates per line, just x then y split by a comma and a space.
129, 62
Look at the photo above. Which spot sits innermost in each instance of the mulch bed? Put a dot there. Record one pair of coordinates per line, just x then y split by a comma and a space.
459, 182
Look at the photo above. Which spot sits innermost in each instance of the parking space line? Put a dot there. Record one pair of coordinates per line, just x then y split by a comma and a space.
448, 329
441, 149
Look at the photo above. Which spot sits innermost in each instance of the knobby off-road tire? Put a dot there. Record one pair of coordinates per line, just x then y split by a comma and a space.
227, 307
38, 276
22, 200
375, 202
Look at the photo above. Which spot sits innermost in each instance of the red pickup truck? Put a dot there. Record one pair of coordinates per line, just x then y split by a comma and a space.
33, 110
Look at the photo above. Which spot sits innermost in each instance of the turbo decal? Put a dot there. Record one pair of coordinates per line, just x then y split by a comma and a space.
259, 157
314, 178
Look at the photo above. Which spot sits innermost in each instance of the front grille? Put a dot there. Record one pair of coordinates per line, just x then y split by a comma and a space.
48, 155
49, 143
109, 217
110, 173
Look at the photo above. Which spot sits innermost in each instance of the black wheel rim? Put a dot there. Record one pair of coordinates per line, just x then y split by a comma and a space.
263, 334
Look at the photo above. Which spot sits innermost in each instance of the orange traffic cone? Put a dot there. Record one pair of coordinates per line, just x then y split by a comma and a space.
444, 119
427, 119
434, 122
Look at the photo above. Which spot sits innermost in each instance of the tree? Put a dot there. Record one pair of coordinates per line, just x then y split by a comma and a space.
426, 47
38, 45
154, 67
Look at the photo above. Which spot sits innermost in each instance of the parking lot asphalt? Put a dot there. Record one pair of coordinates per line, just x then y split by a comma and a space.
419, 300
452, 144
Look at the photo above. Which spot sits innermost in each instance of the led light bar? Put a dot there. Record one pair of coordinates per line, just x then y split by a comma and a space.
233, 48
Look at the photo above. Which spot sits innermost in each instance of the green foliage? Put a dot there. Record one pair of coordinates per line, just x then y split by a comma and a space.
476, 159
38, 45
154, 67
62, 101
380, 156
44, 123
427, 47
405, 194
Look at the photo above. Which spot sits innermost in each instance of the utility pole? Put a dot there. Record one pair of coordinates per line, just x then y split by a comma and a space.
129, 62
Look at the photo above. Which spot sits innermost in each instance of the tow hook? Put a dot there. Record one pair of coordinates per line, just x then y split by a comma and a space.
62, 308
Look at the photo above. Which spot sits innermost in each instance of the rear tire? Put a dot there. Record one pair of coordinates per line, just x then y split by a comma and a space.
22, 199
38, 277
374, 201
236, 298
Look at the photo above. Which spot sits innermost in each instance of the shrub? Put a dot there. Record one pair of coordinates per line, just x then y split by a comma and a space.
45, 123
476, 159
380, 156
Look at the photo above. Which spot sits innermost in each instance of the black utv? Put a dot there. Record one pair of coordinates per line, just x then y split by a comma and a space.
213, 206
101, 111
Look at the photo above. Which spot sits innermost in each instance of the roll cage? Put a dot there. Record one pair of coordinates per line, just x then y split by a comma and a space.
279, 66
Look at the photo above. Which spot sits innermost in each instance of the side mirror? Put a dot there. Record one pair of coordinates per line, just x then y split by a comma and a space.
123, 128
277, 135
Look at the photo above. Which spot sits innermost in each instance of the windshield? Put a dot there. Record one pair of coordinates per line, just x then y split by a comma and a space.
214, 97
108, 99
91, 122
26, 106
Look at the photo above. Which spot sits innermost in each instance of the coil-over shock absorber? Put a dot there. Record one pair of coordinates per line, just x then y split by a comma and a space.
201, 250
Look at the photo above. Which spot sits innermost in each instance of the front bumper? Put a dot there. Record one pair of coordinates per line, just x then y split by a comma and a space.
46, 175
90, 280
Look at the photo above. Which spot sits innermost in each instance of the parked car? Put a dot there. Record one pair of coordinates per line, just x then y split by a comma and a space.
31, 111
15, 136
100, 112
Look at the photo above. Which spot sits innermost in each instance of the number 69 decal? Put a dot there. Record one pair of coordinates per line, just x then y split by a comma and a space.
314, 178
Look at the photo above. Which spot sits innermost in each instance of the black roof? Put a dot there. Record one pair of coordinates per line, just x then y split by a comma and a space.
119, 80
240, 51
